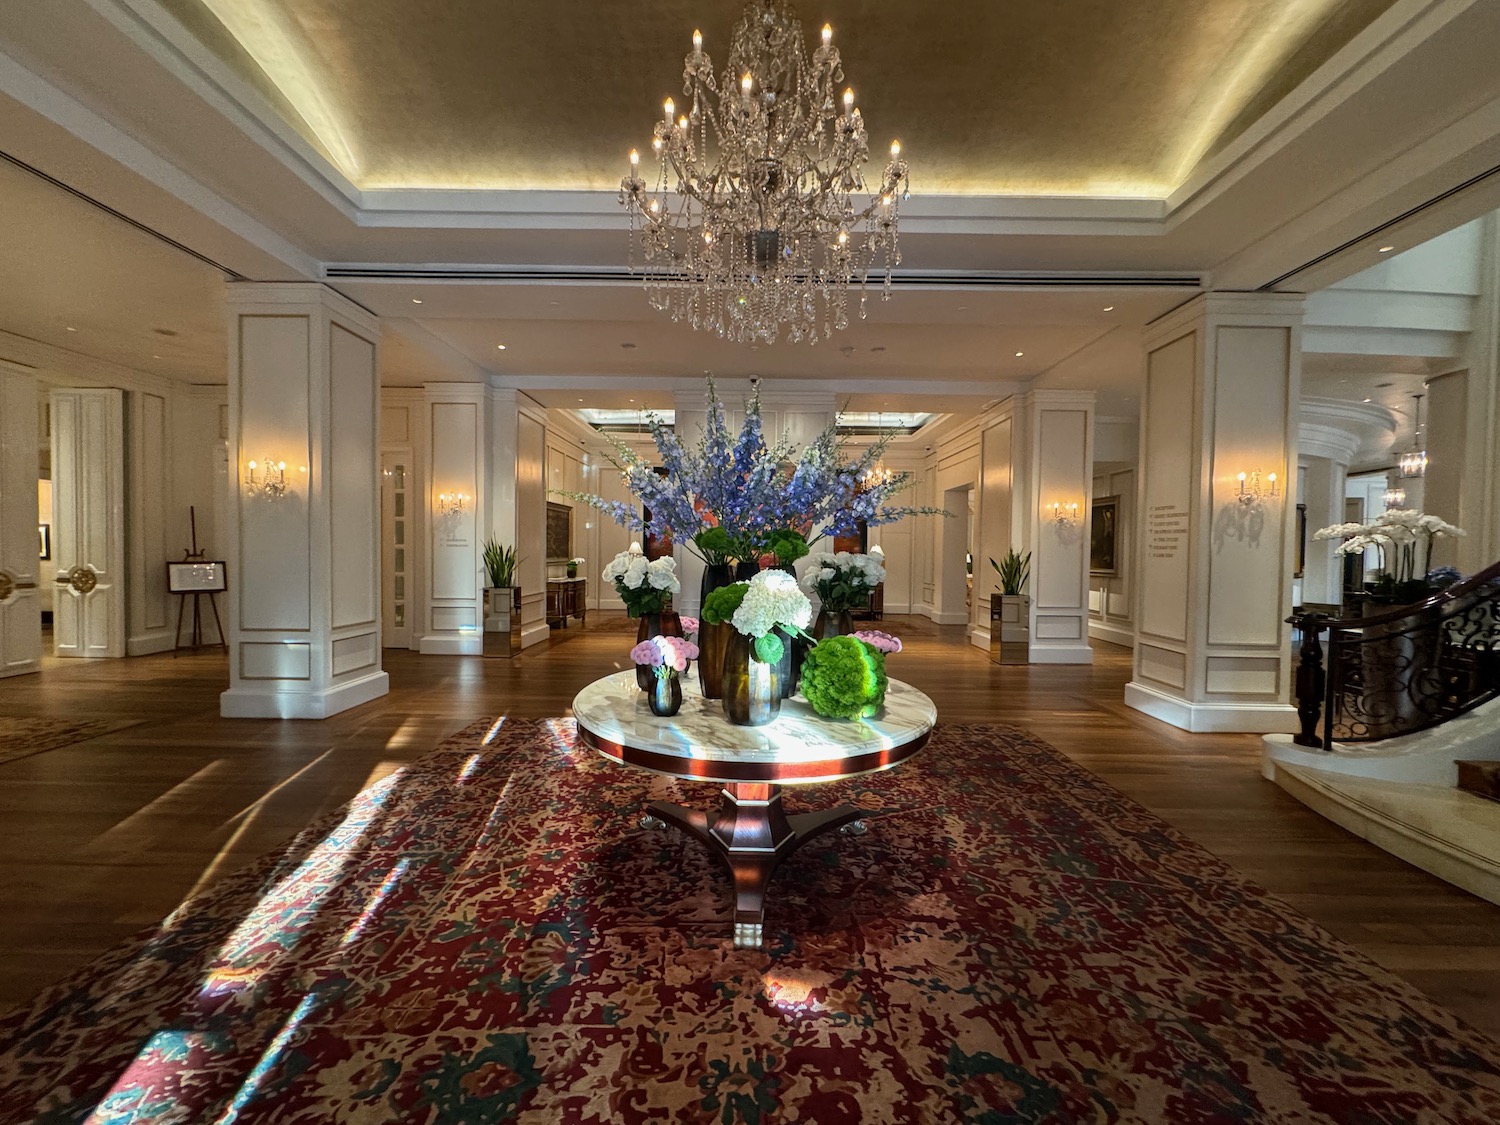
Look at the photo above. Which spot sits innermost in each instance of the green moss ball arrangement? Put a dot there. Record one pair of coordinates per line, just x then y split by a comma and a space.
844, 678
720, 605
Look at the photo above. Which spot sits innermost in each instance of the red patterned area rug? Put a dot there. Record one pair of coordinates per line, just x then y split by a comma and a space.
487, 936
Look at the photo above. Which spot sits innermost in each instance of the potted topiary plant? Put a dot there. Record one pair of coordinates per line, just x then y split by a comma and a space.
1010, 611
502, 600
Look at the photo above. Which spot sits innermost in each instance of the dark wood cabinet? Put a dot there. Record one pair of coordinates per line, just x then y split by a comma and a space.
567, 597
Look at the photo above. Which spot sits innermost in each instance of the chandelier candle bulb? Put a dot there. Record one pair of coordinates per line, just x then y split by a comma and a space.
827, 34
697, 42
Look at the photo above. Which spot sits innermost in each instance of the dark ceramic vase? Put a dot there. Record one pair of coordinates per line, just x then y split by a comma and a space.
752, 688
665, 695
664, 624
713, 638
746, 569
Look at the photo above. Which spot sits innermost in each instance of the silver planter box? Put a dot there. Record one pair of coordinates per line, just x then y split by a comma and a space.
502, 620
1010, 628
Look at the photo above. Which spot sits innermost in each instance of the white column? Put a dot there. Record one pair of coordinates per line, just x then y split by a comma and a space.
1330, 435
304, 590
149, 609
1054, 465
455, 467
516, 508
1222, 380
20, 566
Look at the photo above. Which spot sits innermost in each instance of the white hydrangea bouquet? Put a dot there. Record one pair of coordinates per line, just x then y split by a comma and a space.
643, 585
842, 581
769, 601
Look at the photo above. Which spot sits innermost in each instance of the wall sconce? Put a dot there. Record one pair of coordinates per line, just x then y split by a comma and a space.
1064, 515
271, 482
1395, 497
1253, 492
451, 503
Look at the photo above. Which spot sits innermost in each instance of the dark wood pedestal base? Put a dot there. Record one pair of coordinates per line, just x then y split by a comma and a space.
752, 834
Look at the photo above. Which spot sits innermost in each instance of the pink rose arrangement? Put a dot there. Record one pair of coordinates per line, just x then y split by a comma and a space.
876, 639
666, 655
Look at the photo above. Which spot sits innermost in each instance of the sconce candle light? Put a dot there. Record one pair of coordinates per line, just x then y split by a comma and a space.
1253, 492
266, 478
1064, 515
451, 503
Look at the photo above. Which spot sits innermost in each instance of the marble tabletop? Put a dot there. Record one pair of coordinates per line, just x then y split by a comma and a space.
798, 746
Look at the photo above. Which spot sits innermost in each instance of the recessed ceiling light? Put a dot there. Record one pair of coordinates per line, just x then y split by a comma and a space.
580, 400
963, 308
878, 348
1020, 354
72, 329
156, 357
628, 347
1109, 308
500, 346
416, 300
630, 400
1386, 249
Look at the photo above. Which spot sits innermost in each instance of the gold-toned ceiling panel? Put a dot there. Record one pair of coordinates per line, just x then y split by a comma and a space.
1098, 97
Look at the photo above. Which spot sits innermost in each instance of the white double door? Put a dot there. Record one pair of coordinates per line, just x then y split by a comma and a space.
88, 530
20, 562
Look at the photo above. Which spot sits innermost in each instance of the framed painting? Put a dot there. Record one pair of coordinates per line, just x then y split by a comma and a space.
559, 532
1301, 540
1104, 537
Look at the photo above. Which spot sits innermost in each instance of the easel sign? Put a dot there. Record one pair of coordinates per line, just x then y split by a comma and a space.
195, 577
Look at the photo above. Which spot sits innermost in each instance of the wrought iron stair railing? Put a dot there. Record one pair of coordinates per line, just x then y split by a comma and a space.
1399, 670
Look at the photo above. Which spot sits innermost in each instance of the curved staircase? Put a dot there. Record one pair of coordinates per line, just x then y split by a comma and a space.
1400, 739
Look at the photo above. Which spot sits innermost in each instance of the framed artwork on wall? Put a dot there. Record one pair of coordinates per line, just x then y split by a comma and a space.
1301, 540
1104, 537
559, 532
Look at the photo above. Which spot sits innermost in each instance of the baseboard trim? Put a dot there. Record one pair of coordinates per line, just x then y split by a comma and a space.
535, 633
954, 618
1115, 635
160, 642
452, 644
280, 703
1060, 654
1212, 718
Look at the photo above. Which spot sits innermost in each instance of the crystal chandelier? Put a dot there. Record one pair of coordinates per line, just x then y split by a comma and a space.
760, 216
1413, 463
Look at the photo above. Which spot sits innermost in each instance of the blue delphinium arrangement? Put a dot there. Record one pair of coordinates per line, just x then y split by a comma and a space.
751, 491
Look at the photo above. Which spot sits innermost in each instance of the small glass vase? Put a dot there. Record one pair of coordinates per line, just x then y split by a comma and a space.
752, 688
663, 624
665, 694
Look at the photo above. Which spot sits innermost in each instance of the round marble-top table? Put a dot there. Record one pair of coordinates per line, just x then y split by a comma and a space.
750, 831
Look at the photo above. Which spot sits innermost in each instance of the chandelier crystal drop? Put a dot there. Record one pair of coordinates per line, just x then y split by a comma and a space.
760, 217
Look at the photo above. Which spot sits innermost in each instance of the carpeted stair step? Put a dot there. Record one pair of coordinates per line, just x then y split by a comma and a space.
1481, 778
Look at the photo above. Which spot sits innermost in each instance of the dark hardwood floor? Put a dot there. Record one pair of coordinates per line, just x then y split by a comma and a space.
103, 837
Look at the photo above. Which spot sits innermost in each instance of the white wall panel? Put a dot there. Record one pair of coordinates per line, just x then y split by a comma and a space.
273, 410
353, 467
1165, 522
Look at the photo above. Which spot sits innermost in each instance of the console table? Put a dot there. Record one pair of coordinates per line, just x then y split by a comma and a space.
567, 597
750, 831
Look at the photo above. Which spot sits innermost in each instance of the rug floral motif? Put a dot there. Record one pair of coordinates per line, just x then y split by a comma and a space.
488, 936
23, 737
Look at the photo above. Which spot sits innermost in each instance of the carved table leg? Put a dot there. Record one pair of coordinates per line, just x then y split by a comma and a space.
752, 833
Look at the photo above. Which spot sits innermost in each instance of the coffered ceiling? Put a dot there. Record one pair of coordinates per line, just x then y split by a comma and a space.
1079, 97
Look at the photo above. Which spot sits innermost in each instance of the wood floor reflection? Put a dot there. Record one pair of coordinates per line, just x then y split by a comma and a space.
105, 836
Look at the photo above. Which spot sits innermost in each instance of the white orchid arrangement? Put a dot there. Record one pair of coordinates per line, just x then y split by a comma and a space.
843, 580
644, 585
1400, 535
